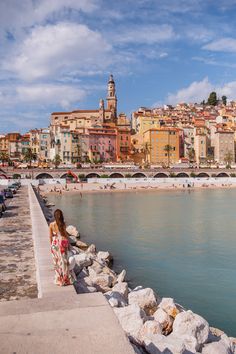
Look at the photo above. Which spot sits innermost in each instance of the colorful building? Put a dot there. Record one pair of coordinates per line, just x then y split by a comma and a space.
162, 146
224, 145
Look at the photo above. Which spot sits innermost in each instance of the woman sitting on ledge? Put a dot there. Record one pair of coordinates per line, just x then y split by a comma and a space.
59, 248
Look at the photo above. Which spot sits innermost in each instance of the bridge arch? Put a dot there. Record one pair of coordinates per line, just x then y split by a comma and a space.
182, 174
92, 175
3, 176
139, 175
64, 175
116, 175
203, 175
43, 175
161, 175
222, 174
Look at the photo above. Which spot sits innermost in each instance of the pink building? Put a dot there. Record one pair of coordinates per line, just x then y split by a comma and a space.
102, 144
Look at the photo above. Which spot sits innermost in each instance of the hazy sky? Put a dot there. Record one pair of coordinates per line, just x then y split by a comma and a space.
56, 55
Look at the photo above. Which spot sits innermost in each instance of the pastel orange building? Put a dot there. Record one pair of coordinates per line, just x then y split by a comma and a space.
156, 142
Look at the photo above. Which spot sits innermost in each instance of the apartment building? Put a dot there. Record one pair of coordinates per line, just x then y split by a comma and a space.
162, 146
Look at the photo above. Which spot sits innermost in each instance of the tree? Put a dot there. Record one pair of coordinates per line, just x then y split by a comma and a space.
228, 159
29, 156
4, 157
212, 99
57, 160
224, 100
146, 150
168, 148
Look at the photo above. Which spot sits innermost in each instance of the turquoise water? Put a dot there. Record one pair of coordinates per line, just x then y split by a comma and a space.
181, 244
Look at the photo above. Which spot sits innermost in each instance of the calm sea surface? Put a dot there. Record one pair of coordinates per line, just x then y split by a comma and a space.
181, 244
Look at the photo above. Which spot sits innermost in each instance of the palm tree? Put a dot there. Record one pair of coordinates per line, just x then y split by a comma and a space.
4, 157
29, 156
57, 160
168, 148
146, 150
228, 159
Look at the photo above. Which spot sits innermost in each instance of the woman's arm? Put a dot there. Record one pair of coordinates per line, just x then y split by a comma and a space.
50, 233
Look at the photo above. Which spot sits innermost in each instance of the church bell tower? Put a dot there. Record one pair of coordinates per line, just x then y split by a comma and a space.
111, 98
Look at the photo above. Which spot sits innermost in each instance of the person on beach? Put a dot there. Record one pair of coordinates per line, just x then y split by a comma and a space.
59, 248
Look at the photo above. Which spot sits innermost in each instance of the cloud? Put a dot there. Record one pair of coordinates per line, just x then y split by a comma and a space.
195, 92
53, 50
15, 14
212, 61
198, 91
222, 45
199, 33
27, 106
145, 34
45, 94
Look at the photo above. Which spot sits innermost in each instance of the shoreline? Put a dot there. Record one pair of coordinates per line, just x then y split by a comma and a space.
90, 188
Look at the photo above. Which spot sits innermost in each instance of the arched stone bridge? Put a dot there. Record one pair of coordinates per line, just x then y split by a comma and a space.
97, 173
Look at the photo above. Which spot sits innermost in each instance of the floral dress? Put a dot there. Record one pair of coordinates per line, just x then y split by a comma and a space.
59, 249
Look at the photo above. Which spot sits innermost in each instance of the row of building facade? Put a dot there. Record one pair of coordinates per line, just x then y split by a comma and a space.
160, 136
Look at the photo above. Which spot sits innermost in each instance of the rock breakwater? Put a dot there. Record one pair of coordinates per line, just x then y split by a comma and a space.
153, 324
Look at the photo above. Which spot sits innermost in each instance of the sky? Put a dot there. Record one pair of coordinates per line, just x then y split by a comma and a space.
57, 55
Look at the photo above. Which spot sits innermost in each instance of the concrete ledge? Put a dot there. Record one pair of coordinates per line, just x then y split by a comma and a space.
43, 258
59, 321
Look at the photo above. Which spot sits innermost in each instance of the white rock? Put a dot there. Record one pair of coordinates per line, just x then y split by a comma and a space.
95, 269
104, 256
121, 276
71, 230
131, 319
81, 287
82, 245
107, 270
149, 329
72, 263
113, 302
167, 304
164, 319
145, 299
139, 287
190, 324
189, 342
121, 288
115, 299
102, 282
73, 250
82, 260
228, 341
164, 345
216, 348
91, 249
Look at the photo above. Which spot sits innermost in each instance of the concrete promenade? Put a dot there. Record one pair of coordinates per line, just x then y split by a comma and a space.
17, 265
59, 321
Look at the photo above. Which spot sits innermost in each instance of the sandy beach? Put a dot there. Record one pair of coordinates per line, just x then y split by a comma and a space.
111, 186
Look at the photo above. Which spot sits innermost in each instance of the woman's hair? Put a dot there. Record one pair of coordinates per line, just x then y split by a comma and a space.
59, 218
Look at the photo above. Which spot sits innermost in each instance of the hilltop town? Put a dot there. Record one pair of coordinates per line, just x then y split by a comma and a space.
193, 134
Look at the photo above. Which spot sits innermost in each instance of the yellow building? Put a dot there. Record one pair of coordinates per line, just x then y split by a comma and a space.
142, 122
162, 146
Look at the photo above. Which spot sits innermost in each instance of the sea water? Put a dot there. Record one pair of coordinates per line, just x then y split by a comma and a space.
180, 243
